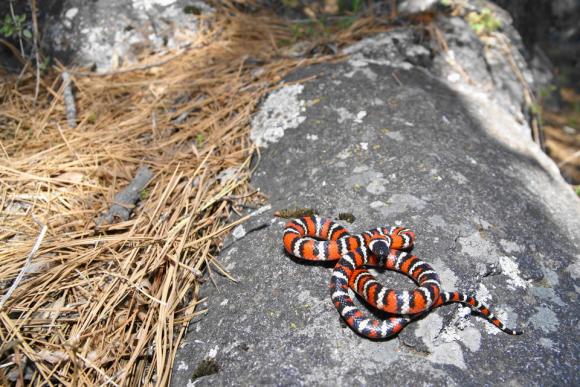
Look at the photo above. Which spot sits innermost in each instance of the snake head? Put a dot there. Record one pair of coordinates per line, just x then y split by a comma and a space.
380, 247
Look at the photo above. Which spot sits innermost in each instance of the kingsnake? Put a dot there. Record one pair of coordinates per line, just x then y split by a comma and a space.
315, 239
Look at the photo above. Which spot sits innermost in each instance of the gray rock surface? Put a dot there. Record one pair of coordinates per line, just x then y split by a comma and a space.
389, 142
110, 33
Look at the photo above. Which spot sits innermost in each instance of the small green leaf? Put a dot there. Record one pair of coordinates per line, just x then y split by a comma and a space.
27, 34
199, 139
144, 194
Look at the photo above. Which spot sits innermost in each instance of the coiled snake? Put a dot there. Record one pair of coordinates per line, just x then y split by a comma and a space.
315, 239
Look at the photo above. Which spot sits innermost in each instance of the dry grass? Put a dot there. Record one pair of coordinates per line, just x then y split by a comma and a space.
109, 305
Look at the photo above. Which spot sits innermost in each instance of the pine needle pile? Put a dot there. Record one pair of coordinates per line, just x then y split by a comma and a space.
87, 302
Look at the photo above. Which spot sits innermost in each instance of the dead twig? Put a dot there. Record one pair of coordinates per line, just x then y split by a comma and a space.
27, 263
69, 100
126, 199
35, 45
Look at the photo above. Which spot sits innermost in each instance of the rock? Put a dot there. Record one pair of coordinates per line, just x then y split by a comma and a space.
490, 210
549, 29
415, 6
109, 33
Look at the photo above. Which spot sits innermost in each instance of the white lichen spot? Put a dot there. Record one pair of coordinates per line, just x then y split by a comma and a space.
458, 177
436, 221
547, 343
311, 137
510, 268
453, 77
483, 294
182, 366
359, 117
377, 204
411, 7
471, 338
71, 13
462, 331
344, 154
441, 352
447, 275
373, 181
224, 302
344, 115
364, 146
397, 136
574, 269
213, 352
304, 297
510, 247
376, 187
475, 246
280, 111
149, 4
545, 319
367, 72
551, 276
406, 201
239, 232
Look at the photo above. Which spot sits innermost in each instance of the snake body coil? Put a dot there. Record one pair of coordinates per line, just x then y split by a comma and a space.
315, 239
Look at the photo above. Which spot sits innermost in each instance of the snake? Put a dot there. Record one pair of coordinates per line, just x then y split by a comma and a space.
313, 238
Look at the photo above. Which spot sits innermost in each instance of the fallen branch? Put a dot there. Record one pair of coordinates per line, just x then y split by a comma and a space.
126, 199
69, 100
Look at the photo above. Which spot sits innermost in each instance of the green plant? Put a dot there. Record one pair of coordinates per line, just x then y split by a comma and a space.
536, 108
309, 30
15, 26
291, 3
547, 90
483, 22
350, 5
192, 10
199, 140
346, 22
356, 5
44, 64
573, 122
144, 194
297, 31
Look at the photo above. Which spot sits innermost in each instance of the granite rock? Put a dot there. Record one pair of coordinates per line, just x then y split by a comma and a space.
393, 143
